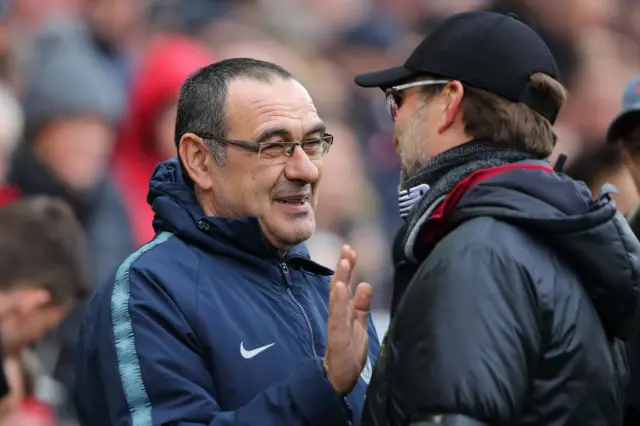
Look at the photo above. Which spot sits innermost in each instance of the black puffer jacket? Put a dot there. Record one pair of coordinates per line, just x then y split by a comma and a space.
515, 316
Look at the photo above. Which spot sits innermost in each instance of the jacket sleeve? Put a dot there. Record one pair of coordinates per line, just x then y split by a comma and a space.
154, 374
466, 338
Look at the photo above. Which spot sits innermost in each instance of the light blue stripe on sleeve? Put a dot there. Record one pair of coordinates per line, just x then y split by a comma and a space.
128, 361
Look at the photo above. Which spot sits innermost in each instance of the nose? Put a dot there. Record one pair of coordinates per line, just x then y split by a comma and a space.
300, 167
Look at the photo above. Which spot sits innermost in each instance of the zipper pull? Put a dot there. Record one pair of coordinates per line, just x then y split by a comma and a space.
285, 270
203, 226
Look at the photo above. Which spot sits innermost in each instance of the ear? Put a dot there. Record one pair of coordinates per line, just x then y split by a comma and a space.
451, 96
30, 299
196, 159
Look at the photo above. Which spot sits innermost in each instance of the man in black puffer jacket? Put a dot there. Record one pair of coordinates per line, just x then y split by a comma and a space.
514, 289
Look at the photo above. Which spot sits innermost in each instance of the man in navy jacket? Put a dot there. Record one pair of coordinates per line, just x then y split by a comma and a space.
223, 319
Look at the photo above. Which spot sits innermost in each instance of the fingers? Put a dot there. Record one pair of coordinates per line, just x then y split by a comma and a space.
350, 254
345, 267
339, 302
343, 271
362, 302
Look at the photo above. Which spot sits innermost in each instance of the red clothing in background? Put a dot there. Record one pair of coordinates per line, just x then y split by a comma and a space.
156, 85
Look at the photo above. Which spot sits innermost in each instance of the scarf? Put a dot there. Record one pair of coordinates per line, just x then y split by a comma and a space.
421, 193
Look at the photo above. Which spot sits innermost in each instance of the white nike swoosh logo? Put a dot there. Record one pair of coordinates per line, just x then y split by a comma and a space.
250, 354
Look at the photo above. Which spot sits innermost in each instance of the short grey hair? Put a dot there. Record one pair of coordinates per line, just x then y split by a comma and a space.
203, 97
219, 151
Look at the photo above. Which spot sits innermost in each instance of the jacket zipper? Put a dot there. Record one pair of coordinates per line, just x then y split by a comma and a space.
285, 269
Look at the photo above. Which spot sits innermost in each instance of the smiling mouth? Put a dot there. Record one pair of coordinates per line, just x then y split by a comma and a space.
297, 200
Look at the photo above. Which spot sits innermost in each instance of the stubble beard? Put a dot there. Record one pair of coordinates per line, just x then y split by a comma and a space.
411, 157
412, 144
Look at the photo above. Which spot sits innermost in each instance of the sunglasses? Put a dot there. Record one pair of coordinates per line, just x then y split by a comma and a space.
394, 96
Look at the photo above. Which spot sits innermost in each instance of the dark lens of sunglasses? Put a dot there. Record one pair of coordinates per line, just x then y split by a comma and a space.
397, 99
392, 106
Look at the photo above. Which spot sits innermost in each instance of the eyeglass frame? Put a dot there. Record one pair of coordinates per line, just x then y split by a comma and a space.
393, 105
258, 146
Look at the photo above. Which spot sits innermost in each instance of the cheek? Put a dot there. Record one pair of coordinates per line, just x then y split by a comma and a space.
254, 190
315, 193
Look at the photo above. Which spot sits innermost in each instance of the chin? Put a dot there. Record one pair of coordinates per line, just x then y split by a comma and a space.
288, 235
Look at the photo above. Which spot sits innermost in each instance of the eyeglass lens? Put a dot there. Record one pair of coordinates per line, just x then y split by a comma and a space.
315, 149
393, 103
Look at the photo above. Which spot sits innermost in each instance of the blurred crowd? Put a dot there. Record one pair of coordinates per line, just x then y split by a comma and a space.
87, 107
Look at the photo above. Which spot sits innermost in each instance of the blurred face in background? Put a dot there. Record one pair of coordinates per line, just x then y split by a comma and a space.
595, 95
27, 313
34, 12
343, 180
280, 191
76, 149
631, 152
116, 21
164, 131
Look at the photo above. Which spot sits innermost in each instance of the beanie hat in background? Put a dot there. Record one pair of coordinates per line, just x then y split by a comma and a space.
66, 77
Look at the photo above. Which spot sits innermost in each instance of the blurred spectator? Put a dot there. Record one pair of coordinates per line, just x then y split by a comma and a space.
561, 23
196, 18
602, 164
117, 28
21, 408
595, 95
624, 134
11, 127
147, 132
72, 106
12, 368
42, 265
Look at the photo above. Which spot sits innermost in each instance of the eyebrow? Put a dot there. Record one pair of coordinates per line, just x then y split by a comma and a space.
284, 133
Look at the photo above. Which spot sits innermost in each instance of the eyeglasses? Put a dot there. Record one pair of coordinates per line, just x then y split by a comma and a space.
394, 98
278, 152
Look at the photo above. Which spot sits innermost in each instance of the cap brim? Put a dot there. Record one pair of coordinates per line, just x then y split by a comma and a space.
385, 78
623, 123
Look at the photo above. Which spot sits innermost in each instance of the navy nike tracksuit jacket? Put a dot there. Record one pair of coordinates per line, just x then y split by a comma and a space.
207, 325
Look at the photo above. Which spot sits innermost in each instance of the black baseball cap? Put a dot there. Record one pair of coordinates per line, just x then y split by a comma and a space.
486, 50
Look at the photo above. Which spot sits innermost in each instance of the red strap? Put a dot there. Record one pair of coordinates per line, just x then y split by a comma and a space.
436, 221
36, 410
8, 194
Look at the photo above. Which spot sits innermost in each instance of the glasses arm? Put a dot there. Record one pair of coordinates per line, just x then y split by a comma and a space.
250, 146
418, 83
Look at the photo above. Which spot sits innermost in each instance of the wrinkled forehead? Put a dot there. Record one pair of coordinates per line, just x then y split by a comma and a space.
280, 106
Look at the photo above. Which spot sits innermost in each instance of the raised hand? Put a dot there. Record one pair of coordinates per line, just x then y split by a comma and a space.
347, 337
